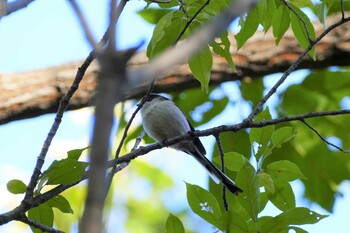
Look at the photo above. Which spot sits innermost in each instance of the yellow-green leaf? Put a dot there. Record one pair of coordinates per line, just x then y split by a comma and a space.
200, 65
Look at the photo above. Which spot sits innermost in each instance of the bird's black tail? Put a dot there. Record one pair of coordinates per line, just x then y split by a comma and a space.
216, 173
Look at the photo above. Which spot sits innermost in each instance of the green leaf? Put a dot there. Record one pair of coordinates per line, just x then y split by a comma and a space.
321, 11
249, 25
266, 8
263, 201
266, 181
165, 33
301, 3
204, 204
200, 65
335, 6
222, 48
233, 161
252, 90
61, 203
166, 4
65, 171
261, 136
247, 180
284, 169
234, 222
240, 139
300, 32
295, 216
153, 15
76, 153
42, 214
16, 186
280, 23
283, 197
282, 135
174, 225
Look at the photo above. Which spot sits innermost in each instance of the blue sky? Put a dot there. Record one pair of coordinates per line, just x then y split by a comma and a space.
47, 33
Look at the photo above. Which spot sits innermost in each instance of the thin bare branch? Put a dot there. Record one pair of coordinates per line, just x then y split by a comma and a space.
39, 225
323, 139
157, 1
125, 134
182, 7
11, 7
291, 68
301, 20
221, 150
58, 119
138, 140
190, 21
342, 9
226, 128
84, 25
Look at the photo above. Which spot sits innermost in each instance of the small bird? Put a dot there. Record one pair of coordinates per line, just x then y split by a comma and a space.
162, 119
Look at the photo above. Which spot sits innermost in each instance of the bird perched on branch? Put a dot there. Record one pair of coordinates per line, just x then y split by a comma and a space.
162, 119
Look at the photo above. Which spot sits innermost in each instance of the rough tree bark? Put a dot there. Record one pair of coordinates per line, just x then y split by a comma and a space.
34, 93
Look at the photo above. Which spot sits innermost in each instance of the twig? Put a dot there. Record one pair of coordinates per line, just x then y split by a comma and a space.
323, 139
11, 7
182, 7
342, 9
190, 21
221, 150
84, 25
39, 225
301, 20
291, 68
157, 1
125, 134
58, 119
138, 140
60, 188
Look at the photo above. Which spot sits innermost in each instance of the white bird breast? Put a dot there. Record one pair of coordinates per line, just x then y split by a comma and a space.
163, 120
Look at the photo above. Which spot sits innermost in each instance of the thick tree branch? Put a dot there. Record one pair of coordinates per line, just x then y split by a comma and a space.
30, 94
